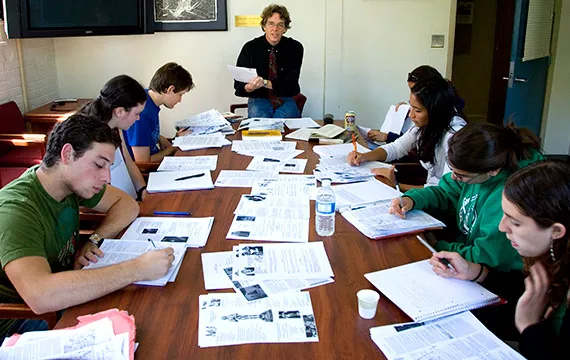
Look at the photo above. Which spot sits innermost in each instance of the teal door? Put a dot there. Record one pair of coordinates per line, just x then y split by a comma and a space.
526, 79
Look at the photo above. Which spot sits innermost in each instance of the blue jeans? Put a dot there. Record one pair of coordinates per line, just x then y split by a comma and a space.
262, 108
24, 325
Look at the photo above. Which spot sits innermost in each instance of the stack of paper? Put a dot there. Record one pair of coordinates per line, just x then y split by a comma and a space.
262, 124
299, 123
166, 181
326, 132
271, 149
183, 163
208, 122
193, 232
106, 335
460, 336
338, 170
295, 267
369, 192
375, 222
242, 178
117, 251
195, 142
227, 319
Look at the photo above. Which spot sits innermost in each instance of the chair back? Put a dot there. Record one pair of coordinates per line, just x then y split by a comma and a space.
11, 119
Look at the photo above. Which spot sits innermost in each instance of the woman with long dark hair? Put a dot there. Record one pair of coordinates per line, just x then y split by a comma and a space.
119, 104
536, 220
480, 157
432, 109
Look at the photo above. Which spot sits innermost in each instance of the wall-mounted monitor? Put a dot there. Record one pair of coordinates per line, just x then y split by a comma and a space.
55, 18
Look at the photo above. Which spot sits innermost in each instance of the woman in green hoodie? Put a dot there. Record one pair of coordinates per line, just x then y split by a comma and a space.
481, 157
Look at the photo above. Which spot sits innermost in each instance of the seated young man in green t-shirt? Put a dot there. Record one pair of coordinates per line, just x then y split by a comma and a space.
39, 226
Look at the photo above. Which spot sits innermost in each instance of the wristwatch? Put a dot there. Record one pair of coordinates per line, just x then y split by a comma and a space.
264, 82
95, 239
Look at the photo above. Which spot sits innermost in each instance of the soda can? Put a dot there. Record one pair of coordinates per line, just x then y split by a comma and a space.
349, 120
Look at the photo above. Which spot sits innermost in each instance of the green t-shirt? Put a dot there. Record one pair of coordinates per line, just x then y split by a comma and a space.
32, 223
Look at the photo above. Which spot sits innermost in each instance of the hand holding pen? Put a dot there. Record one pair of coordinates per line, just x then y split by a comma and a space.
400, 206
463, 269
443, 260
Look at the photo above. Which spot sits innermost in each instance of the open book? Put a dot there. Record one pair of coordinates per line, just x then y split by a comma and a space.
424, 296
374, 220
326, 132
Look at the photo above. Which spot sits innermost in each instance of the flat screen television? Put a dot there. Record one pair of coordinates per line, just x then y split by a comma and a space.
56, 18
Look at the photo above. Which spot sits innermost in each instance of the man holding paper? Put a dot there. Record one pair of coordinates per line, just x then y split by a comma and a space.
39, 226
277, 60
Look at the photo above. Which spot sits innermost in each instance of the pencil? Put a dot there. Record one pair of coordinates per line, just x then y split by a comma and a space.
354, 142
444, 261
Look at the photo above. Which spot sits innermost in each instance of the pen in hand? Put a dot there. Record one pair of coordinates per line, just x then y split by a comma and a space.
398, 188
444, 261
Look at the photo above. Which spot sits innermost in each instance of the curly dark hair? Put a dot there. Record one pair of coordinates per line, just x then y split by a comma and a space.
275, 9
438, 99
81, 131
541, 191
121, 91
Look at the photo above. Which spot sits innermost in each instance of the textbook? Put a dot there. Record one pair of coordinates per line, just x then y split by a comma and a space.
329, 131
374, 220
264, 135
425, 296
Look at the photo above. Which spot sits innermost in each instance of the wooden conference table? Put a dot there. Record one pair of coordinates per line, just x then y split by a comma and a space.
167, 317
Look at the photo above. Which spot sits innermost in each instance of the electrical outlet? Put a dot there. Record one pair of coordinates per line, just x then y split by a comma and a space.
437, 41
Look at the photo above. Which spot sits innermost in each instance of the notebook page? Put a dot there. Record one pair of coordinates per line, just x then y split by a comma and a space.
423, 295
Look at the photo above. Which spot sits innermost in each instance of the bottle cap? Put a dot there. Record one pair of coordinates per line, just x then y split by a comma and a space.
326, 182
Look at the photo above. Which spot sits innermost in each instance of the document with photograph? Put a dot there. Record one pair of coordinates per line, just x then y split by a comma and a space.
246, 227
287, 185
281, 261
193, 232
270, 162
187, 143
166, 181
229, 319
243, 178
117, 251
296, 166
284, 207
253, 147
461, 336
208, 118
183, 163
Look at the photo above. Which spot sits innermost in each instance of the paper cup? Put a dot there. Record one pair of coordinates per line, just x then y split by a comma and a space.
367, 303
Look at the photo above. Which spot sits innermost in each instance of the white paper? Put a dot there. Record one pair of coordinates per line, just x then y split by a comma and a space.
243, 178
228, 319
182, 163
211, 117
193, 232
301, 123
268, 229
253, 146
301, 134
274, 206
242, 74
281, 261
213, 265
394, 120
261, 163
367, 192
261, 124
118, 251
187, 143
298, 186
328, 131
277, 155
460, 336
338, 150
296, 166
338, 170
166, 181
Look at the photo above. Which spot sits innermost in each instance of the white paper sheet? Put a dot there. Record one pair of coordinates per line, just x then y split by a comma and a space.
187, 143
183, 163
242, 74
268, 229
166, 181
306, 189
363, 193
243, 178
296, 166
394, 120
253, 147
299, 123
261, 124
274, 206
211, 117
337, 150
457, 337
300, 134
193, 232
228, 319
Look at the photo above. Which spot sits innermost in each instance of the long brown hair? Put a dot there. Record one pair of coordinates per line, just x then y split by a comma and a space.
541, 191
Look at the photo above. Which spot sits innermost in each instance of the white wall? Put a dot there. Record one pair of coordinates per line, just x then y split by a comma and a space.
370, 46
10, 88
557, 131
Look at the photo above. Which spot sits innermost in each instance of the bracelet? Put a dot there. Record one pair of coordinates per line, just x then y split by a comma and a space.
139, 193
480, 272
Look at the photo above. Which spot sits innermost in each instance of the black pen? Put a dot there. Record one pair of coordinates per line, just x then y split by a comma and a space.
444, 261
152, 242
189, 177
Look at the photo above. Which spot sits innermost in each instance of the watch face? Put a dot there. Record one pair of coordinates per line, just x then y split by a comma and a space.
95, 238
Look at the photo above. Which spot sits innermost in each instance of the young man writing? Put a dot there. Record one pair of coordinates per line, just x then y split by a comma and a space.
39, 226
143, 139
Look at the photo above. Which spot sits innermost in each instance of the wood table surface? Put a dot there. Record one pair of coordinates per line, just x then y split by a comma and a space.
167, 317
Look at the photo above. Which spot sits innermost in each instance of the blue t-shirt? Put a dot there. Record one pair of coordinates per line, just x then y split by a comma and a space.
146, 130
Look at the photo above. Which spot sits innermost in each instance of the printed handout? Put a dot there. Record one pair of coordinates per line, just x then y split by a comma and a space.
193, 232
182, 163
243, 178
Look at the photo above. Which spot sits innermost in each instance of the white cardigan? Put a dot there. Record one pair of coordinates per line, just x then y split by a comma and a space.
404, 144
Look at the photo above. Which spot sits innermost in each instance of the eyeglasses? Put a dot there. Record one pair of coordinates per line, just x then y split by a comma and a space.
465, 178
412, 78
271, 24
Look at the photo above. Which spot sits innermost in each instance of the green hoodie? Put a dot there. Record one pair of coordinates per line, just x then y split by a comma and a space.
478, 212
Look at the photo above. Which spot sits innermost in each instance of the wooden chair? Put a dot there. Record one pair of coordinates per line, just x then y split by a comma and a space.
23, 311
300, 100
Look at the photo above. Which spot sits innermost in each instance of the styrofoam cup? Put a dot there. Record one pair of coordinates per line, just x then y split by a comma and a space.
367, 303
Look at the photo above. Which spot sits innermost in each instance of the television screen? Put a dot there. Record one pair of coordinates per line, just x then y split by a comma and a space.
55, 14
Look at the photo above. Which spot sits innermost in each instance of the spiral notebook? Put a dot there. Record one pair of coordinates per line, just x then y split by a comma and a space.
425, 296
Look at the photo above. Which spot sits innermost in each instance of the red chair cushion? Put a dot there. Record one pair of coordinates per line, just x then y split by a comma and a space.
11, 119
21, 156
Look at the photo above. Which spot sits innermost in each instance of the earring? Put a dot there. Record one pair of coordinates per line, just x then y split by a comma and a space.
552, 251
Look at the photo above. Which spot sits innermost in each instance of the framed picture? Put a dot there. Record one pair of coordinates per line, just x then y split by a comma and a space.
190, 15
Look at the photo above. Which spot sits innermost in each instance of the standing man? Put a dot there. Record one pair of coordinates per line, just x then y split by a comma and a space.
277, 60
39, 226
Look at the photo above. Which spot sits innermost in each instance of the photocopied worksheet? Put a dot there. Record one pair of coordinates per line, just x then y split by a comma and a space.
284, 207
296, 166
245, 227
183, 163
117, 251
195, 142
281, 261
229, 319
243, 178
370, 191
253, 146
461, 336
193, 232
167, 181
287, 185
211, 117
338, 150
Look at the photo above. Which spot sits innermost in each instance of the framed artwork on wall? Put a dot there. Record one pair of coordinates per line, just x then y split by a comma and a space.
190, 15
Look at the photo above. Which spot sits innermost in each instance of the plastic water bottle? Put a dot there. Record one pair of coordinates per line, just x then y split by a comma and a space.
324, 211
